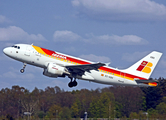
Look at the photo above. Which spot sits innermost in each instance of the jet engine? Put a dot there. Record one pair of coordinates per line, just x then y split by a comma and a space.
54, 70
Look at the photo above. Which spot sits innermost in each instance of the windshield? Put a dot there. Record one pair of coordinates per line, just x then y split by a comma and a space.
15, 46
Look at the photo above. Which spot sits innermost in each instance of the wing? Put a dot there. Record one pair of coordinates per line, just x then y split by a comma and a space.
80, 69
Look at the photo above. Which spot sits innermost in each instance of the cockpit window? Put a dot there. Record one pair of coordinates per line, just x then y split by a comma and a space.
18, 47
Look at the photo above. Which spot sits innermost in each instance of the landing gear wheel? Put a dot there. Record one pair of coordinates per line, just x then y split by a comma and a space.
22, 70
75, 83
70, 84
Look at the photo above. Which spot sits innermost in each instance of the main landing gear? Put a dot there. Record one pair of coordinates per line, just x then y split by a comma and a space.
72, 83
23, 69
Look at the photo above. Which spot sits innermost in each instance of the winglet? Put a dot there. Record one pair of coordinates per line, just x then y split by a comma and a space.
107, 64
103, 64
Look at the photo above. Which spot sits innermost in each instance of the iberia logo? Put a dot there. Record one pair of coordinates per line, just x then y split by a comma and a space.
145, 67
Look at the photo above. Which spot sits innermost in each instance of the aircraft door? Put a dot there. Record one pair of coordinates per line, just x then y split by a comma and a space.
28, 50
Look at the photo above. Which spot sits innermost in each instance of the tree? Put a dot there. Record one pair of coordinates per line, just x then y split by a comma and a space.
118, 108
9, 117
65, 113
144, 108
54, 111
30, 101
64, 99
104, 103
134, 115
41, 114
129, 98
113, 101
153, 96
161, 108
10, 101
84, 98
57, 89
93, 109
75, 109
100, 108
152, 113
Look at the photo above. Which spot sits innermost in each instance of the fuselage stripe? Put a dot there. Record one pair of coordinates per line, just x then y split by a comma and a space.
77, 61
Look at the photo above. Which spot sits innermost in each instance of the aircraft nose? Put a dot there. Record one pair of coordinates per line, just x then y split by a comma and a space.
6, 51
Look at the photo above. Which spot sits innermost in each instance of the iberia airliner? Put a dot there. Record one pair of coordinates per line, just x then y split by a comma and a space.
56, 64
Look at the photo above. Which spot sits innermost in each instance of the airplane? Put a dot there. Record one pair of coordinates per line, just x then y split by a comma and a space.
56, 64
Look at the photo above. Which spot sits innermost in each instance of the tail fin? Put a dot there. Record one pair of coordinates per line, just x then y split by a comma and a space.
145, 66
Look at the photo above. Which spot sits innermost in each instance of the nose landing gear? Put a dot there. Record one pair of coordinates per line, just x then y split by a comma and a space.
72, 83
23, 69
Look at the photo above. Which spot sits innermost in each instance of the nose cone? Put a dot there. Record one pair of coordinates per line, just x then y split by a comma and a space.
6, 51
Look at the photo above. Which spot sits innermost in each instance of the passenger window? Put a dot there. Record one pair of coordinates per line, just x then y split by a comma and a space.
18, 47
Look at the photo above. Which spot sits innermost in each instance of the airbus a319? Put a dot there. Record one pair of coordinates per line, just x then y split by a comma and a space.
56, 64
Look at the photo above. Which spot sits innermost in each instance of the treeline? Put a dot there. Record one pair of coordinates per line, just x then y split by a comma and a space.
111, 102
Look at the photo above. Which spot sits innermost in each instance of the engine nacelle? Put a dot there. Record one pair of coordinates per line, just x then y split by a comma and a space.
54, 70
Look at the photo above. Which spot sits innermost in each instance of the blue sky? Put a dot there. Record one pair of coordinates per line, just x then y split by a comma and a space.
116, 31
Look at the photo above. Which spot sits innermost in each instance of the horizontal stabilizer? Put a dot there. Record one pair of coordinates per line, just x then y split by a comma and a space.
146, 81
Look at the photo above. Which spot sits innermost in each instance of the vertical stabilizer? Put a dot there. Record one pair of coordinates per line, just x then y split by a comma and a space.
145, 66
